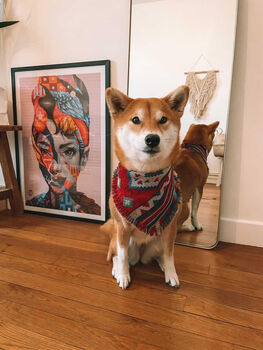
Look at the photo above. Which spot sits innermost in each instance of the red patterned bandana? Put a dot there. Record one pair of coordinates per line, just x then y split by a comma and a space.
149, 201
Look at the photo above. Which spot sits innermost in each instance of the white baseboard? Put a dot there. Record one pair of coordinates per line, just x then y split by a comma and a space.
241, 231
212, 178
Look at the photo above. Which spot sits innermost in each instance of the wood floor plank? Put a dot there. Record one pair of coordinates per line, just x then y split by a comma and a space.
199, 306
81, 335
66, 228
73, 333
47, 254
54, 240
150, 313
166, 298
246, 283
63, 227
97, 252
94, 317
239, 249
142, 275
13, 338
77, 274
19, 247
239, 287
56, 286
238, 258
209, 292
225, 256
11, 243
253, 280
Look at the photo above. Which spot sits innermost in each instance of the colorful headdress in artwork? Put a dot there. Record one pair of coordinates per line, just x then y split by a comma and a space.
64, 101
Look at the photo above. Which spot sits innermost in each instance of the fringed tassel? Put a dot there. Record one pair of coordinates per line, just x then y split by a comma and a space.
201, 91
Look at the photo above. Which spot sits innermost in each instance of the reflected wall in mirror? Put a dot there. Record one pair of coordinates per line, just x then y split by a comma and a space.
169, 40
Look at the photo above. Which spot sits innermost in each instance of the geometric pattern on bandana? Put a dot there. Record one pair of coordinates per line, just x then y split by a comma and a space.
149, 201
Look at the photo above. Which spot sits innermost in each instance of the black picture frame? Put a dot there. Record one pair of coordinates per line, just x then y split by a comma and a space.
90, 201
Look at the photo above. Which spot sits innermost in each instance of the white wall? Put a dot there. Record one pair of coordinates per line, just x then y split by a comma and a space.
242, 200
65, 31
168, 37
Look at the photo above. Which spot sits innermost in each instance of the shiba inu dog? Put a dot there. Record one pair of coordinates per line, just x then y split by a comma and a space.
191, 167
145, 198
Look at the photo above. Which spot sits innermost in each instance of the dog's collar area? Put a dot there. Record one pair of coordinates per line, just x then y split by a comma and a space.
142, 179
200, 149
147, 200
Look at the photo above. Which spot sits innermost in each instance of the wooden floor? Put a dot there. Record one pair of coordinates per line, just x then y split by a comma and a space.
208, 216
56, 292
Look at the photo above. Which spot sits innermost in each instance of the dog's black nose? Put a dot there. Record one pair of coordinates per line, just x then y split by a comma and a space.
152, 140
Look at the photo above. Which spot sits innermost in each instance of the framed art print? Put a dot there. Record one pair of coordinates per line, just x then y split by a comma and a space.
63, 151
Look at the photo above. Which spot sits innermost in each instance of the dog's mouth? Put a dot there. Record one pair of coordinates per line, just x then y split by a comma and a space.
151, 151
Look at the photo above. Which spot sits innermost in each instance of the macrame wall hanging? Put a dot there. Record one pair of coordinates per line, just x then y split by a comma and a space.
201, 89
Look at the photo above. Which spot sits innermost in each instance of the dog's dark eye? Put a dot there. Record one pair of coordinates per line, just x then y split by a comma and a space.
136, 120
163, 120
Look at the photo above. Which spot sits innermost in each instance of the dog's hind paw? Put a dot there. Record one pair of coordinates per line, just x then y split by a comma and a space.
188, 228
134, 261
160, 262
198, 227
172, 279
124, 281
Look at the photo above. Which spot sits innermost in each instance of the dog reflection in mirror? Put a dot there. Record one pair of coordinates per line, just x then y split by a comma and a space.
192, 170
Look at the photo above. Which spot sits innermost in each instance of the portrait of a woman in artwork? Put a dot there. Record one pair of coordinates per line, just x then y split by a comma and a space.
61, 142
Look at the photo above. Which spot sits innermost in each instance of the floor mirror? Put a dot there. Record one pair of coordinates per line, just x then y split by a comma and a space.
177, 42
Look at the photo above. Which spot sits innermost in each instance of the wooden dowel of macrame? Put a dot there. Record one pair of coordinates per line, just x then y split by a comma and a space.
203, 71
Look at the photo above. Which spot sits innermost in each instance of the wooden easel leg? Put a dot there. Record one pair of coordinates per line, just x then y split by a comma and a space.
9, 175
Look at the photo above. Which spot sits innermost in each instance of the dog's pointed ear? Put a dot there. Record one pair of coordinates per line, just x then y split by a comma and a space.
177, 99
212, 127
116, 101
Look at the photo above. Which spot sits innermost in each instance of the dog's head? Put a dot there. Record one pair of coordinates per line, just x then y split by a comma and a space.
201, 134
146, 130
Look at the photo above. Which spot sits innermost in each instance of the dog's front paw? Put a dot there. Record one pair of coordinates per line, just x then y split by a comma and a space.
124, 280
171, 278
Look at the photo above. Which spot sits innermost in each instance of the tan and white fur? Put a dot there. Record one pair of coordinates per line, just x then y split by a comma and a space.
135, 121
